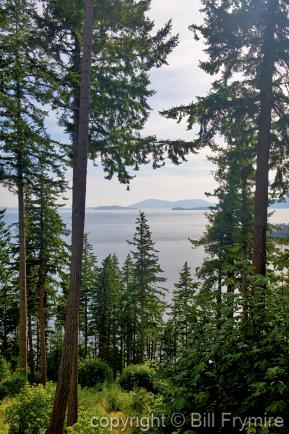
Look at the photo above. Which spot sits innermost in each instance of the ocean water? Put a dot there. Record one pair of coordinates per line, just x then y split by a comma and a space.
108, 232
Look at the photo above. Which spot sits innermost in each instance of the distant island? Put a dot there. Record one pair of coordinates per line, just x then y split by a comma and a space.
178, 205
167, 204
113, 208
199, 208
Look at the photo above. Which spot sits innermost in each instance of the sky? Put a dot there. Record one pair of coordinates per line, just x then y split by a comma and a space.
177, 83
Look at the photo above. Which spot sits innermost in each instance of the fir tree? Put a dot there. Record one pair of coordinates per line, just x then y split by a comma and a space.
47, 252
106, 310
88, 290
182, 314
25, 89
66, 392
129, 314
8, 293
149, 293
247, 38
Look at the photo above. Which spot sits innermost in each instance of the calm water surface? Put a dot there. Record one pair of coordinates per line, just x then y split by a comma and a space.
108, 232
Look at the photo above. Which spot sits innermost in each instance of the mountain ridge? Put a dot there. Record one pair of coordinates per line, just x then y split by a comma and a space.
168, 204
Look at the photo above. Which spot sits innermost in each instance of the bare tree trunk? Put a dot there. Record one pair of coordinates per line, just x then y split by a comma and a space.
22, 274
70, 345
264, 141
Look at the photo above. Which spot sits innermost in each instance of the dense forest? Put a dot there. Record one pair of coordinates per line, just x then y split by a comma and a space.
100, 346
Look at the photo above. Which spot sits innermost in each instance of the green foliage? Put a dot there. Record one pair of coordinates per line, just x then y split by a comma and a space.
8, 291
138, 376
243, 370
93, 372
4, 368
12, 385
30, 413
148, 282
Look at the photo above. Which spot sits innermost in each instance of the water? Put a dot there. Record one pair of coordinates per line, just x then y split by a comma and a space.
108, 232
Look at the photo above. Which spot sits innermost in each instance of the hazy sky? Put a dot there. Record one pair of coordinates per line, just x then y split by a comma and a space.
177, 83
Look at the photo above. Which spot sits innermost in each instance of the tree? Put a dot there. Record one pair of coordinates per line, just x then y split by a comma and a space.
67, 380
25, 89
8, 294
89, 280
182, 309
148, 277
129, 314
106, 308
125, 49
47, 252
247, 38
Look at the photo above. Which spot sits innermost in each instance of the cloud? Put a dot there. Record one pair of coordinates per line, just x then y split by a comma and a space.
177, 83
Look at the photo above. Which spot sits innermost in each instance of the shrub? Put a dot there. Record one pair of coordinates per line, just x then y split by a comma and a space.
93, 372
12, 385
4, 368
30, 413
138, 376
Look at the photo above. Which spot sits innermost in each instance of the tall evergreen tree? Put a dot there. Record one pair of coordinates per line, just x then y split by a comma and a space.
25, 89
182, 310
47, 252
125, 49
67, 381
8, 293
88, 291
107, 312
150, 293
129, 314
248, 38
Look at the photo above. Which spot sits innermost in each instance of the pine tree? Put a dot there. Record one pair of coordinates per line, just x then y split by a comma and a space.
125, 49
106, 310
129, 314
67, 380
182, 314
89, 280
47, 252
247, 38
8, 293
25, 89
150, 295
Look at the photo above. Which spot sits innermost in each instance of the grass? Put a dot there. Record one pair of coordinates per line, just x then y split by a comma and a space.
7, 402
111, 403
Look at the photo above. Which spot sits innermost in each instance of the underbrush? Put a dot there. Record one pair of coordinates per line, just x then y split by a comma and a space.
109, 410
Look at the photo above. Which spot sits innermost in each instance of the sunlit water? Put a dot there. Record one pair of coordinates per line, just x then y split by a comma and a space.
108, 232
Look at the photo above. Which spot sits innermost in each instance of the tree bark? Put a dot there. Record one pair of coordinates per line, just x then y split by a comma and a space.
22, 274
31, 352
42, 334
72, 411
264, 141
70, 345
42, 294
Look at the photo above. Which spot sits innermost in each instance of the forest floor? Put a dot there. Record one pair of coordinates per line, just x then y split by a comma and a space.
109, 410
7, 402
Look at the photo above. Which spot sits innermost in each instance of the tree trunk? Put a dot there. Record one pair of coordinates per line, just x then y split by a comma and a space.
263, 145
42, 293
85, 326
70, 345
22, 274
31, 353
72, 411
42, 334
